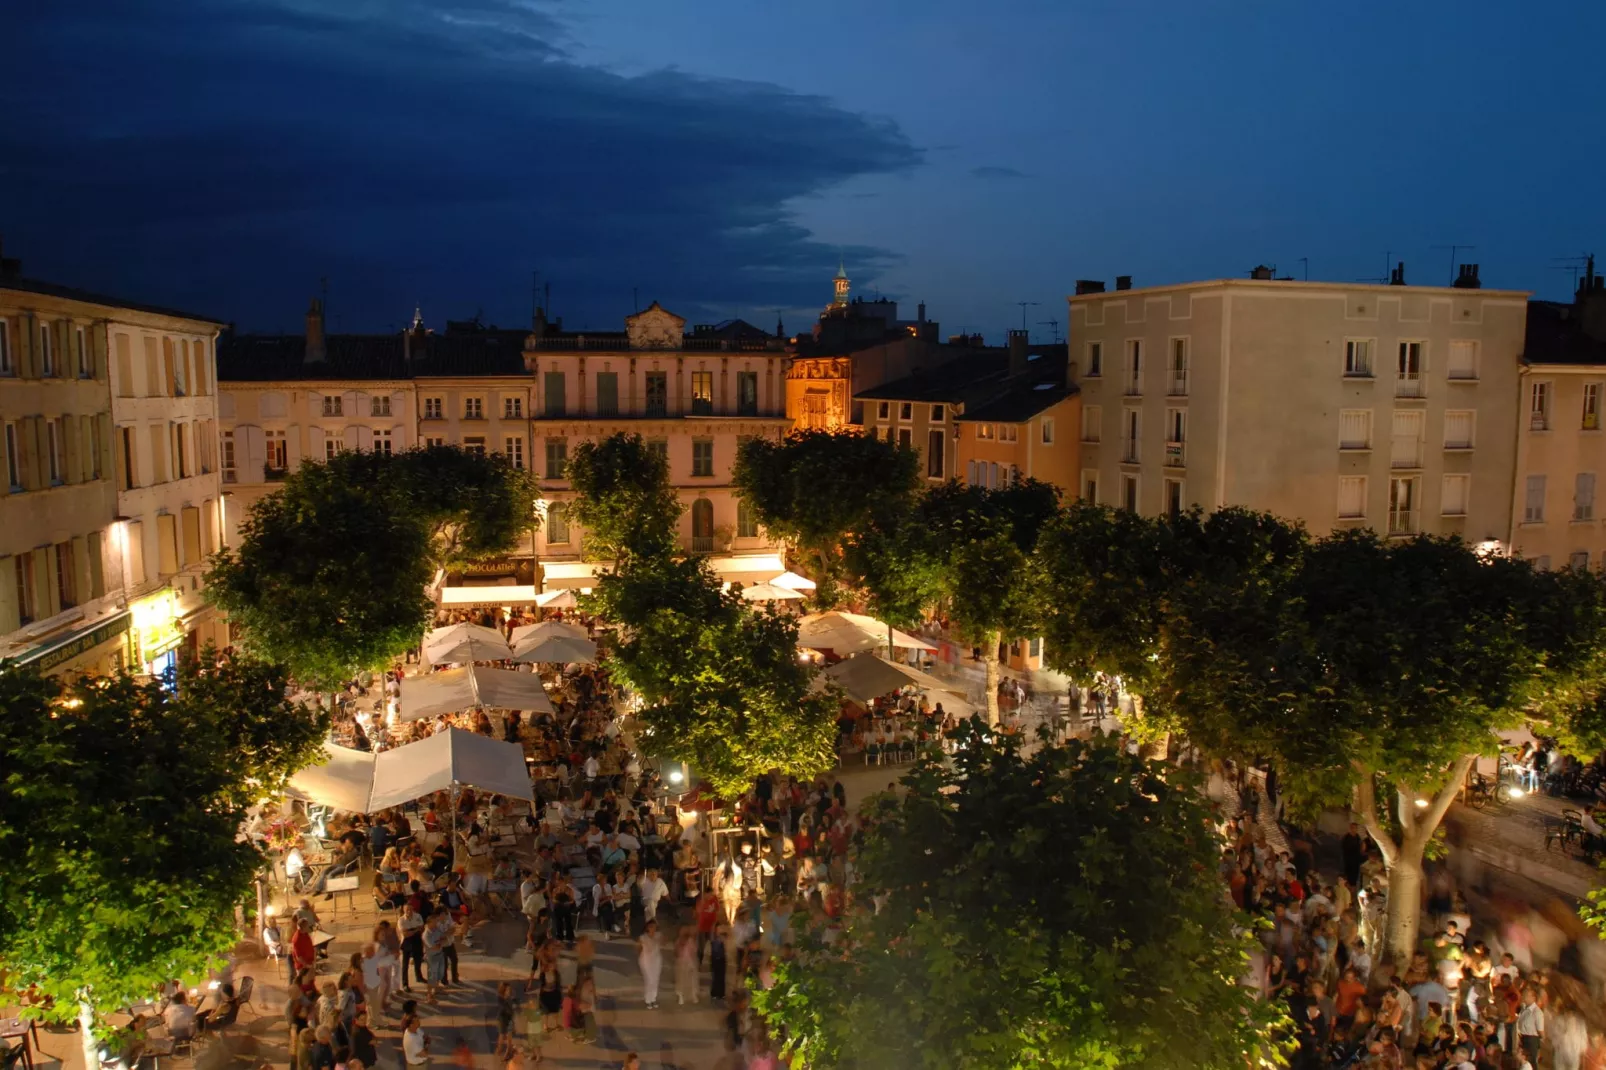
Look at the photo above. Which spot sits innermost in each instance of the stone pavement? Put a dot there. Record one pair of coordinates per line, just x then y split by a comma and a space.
1510, 835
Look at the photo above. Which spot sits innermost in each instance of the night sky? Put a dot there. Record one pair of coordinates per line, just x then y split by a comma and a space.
224, 156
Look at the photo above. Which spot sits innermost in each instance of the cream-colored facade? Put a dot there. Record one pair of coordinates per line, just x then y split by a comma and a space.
1561, 452
111, 470
1387, 407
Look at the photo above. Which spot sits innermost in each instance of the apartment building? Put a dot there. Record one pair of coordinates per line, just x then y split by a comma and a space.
1561, 444
1340, 405
113, 500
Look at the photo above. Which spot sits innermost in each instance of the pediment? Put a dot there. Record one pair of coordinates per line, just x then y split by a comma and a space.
655, 327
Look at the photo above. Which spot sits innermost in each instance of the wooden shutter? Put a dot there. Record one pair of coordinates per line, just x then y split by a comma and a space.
209, 527
349, 438
190, 553
136, 554
95, 563
166, 544
315, 446
400, 438
10, 611
365, 438
26, 345
292, 447
251, 453
95, 338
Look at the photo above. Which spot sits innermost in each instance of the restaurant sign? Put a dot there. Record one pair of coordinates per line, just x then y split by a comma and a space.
71, 646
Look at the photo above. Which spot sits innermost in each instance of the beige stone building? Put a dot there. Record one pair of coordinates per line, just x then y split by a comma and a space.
109, 445
1341, 405
1556, 520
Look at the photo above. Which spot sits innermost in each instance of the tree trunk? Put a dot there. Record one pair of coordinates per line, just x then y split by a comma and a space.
989, 657
1405, 906
86, 1035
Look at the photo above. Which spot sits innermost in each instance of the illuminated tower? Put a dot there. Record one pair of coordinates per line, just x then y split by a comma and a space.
840, 285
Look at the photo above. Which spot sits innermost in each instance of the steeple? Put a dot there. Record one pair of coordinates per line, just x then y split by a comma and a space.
780, 331
840, 285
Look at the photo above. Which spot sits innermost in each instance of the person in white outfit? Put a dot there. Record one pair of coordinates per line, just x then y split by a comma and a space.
651, 959
653, 890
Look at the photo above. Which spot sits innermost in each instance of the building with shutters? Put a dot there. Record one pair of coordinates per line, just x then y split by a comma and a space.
1341, 405
113, 499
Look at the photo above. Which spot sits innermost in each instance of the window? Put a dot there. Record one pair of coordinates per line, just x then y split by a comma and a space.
434, 440
1542, 562
1584, 496
1177, 379
1090, 487
13, 459
473, 408
1454, 499
607, 393
1355, 429
557, 457
1131, 432
702, 393
331, 446
984, 432
746, 520
1402, 506
1173, 497
1406, 439
906, 411
660, 446
379, 405
906, 438
47, 356
1578, 561
1539, 407
1409, 371
53, 446
6, 367
1458, 429
557, 524
702, 526
657, 393
1048, 430
1129, 493
884, 410
1591, 407
1533, 507
332, 405
1095, 359
181, 370
1462, 360
181, 461
556, 400
747, 393
66, 576
1176, 436
95, 445
278, 454
514, 448
1134, 366
432, 408
128, 459
1007, 433
382, 441
80, 345
1351, 497
474, 444
27, 598
935, 442
512, 407
228, 457
1090, 423
702, 456
937, 414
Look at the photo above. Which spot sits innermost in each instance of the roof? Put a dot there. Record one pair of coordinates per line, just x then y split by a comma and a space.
945, 382
267, 358
982, 383
1299, 284
1020, 402
69, 293
1555, 335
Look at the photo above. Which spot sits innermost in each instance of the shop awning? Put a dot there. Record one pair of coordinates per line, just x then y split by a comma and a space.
553, 641
746, 566
366, 783
489, 595
464, 689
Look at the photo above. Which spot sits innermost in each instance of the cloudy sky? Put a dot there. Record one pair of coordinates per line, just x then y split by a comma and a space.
719, 156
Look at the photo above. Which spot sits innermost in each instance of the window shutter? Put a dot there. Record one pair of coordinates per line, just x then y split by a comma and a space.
349, 439
292, 447
107, 458
209, 527
82, 583
315, 447
167, 543
10, 618
27, 335
71, 455
34, 450
348, 404
253, 453
400, 440
136, 554
191, 550
365, 438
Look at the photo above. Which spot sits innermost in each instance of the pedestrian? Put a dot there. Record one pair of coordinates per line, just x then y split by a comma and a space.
716, 965
435, 954
685, 966
415, 1045
411, 928
504, 1019
651, 959
550, 982
1530, 1025
707, 918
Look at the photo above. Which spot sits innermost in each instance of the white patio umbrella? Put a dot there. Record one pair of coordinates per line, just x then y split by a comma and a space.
465, 642
865, 676
366, 783
849, 633
553, 640
794, 581
769, 592
466, 688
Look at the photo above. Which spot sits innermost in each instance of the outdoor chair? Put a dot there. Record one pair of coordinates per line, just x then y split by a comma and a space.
872, 754
242, 995
906, 752
185, 1045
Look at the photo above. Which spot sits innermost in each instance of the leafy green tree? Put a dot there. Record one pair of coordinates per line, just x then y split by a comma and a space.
330, 574
120, 807
624, 499
1063, 909
818, 488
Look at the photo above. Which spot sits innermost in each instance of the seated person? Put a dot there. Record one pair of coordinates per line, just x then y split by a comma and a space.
180, 1017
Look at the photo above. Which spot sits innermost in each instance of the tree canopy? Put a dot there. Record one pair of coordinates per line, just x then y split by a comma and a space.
330, 574
623, 499
120, 807
1058, 909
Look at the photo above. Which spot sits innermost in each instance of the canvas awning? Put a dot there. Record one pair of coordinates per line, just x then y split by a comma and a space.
475, 685
849, 633
745, 567
342, 781
556, 600
864, 677
458, 643
794, 581
366, 783
769, 592
489, 595
553, 641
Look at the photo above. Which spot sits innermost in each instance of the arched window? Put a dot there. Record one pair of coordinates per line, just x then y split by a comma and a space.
702, 526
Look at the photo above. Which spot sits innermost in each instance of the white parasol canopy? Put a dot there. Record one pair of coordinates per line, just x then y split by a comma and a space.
465, 642
553, 640
849, 633
365, 783
769, 592
793, 581
475, 685
563, 599
865, 676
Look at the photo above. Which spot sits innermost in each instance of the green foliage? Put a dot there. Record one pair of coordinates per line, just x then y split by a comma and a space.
623, 499
1062, 909
120, 803
330, 573
818, 488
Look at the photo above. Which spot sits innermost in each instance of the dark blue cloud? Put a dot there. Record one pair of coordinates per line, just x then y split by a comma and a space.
225, 156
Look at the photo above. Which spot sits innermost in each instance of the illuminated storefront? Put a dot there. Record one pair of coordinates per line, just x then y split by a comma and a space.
158, 631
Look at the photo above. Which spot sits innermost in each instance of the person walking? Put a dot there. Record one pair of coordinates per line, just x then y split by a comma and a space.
435, 938
651, 959
685, 966
415, 1045
716, 965
1530, 1025
411, 928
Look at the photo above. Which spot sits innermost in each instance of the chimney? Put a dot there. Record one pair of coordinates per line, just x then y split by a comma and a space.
1261, 272
1467, 279
920, 312
11, 267
1070, 374
1397, 276
1123, 282
1017, 353
1591, 303
1089, 286
317, 349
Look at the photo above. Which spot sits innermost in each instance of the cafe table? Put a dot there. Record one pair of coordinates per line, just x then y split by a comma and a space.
24, 1029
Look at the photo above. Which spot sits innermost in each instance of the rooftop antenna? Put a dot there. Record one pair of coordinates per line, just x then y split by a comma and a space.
1305, 262
1054, 326
1024, 305
1388, 269
535, 293
1573, 264
1455, 252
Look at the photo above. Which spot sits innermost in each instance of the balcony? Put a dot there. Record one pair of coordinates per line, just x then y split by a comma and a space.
1129, 452
1175, 454
1406, 460
1402, 522
1539, 421
702, 544
229, 476
1408, 385
1177, 385
274, 475
1133, 388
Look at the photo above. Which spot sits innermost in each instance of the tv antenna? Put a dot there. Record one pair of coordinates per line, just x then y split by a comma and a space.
1574, 264
1305, 262
1024, 305
1388, 269
1054, 328
1455, 253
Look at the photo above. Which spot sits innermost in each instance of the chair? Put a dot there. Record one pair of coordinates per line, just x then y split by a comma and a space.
186, 1045
242, 995
872, 754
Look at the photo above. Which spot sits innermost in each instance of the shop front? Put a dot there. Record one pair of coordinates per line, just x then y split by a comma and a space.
94, 649
158, 632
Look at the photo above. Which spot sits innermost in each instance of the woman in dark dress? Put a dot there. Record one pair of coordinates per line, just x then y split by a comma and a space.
716, 982
551, 981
